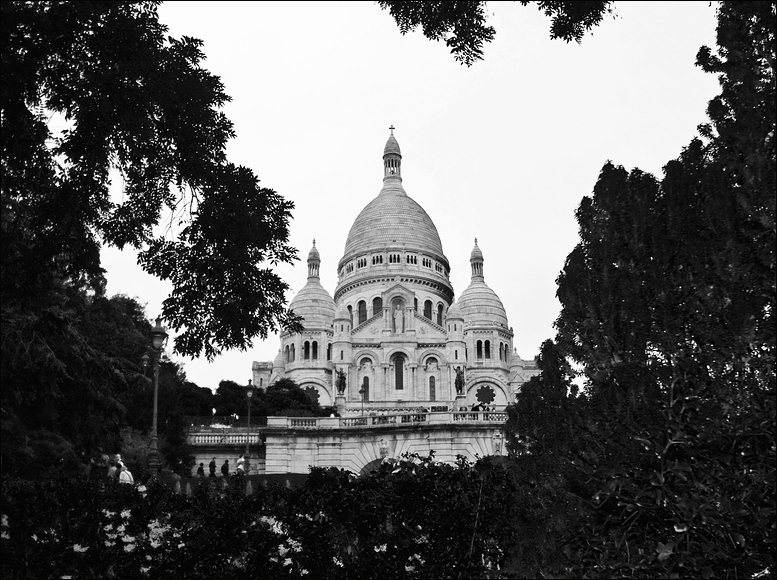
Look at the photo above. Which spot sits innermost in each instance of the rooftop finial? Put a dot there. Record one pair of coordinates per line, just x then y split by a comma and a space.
391, 128
314, 242
476, 241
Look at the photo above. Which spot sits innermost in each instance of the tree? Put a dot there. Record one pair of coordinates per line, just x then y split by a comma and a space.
140, 113
540, 420
77, 357
286, 398
668, 306
462, 24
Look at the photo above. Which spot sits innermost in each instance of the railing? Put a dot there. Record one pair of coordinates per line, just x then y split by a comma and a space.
223, 423
236, 435
223, 439
480, 416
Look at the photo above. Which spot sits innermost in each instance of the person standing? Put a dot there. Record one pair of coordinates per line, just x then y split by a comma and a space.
212, 467
225, 468
201, 471
125, 475
112, 472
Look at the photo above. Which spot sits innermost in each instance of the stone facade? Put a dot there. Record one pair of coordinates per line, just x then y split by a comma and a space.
392, 338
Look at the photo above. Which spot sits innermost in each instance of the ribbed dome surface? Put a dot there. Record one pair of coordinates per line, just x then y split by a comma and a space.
393, 219
392, 146
454, 311
314, 304
479, 305
278, 362
342, 312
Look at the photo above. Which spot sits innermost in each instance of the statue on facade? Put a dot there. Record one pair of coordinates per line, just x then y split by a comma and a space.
459, 381
399, 319
340, 382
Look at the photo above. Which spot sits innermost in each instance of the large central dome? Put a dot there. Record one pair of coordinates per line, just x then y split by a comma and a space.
393, 220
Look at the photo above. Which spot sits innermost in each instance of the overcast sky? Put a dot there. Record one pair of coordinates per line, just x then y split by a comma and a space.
503, 151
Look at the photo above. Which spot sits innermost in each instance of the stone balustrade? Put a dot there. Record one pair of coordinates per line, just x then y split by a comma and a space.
206, 435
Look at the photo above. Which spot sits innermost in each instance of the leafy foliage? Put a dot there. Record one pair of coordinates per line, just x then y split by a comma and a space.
668, 310
139, 111
462, 24
284, 398
395, 522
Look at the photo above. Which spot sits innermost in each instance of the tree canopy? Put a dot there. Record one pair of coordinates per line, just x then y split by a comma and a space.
462, 23
144, 138
668, 310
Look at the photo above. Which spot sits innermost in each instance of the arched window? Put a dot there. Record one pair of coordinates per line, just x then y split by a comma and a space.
428, 309
415, 304
292, 354
432, 389
365, 390
315, 350
500, 351
479, 350
488, 349
329, 352
286, 354
377, 305
399, 371
439, 315
362, 311
306, 351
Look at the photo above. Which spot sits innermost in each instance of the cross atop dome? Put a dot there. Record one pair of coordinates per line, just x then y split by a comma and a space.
391, 128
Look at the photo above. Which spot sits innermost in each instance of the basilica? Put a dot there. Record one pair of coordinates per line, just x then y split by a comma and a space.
392, 338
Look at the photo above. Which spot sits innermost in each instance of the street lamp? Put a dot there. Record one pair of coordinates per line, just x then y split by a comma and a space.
249, 394
158, 338
362, 391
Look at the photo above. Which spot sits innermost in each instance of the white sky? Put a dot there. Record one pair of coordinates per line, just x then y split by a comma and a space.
503, 151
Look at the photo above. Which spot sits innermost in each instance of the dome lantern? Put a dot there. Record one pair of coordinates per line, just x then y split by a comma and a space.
476, 261
314, 261
392, 158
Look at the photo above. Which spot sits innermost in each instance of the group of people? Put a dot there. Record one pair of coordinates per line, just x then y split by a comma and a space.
241, 467
119, 471
477, 407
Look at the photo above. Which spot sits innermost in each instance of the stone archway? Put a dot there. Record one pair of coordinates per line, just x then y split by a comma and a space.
373, 465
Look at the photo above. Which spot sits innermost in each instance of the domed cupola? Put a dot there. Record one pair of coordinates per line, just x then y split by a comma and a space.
393, 234
313, 303
278, 362
478, 304
454, 312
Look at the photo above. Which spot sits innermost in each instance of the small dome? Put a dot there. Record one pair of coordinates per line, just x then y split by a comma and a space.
314, 304
454, 312
278, 362
392, 146
479, 305
476, 253
313, 254
342, 313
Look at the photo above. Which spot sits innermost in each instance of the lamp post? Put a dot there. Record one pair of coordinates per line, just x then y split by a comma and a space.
158, 338
361, 392
249, 394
